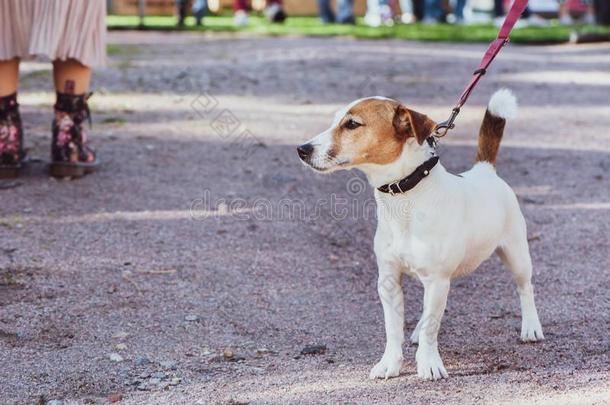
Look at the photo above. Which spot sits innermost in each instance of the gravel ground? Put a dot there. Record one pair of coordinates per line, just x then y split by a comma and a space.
203, 257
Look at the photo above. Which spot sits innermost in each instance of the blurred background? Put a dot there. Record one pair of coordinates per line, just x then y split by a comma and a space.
394, 18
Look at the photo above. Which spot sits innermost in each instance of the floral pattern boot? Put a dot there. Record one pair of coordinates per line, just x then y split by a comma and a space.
11, 137
70, 153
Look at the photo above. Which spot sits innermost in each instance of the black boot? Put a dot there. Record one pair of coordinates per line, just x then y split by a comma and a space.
11, 137
70, 154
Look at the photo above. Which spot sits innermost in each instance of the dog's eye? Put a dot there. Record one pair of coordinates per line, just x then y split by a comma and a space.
351, 124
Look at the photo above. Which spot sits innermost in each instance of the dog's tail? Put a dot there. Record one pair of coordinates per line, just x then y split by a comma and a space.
502, 106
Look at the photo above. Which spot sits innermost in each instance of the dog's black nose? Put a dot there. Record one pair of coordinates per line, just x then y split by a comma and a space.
305, 150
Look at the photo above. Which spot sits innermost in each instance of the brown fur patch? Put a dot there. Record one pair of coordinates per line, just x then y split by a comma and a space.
386, 125
490, 135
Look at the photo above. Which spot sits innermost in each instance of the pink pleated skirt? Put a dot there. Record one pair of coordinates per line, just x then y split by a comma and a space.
54, 29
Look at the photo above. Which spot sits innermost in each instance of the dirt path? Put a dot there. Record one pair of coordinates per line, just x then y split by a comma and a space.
203, 257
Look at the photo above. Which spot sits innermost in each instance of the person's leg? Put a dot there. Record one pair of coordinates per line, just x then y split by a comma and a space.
326, 12
373, 13
11, 131
459, 10
498, 9
71, 77
182, 9
241, 12
373, 7
433, 11
590, 13
200, 9
407, 11
70, 153
564, 14
274, 11
345, 12
9, 76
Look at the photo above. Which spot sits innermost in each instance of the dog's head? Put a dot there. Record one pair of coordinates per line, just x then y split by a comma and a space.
368, 131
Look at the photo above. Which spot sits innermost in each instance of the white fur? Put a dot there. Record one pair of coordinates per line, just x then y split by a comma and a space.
441, 229
444, 228
503, 104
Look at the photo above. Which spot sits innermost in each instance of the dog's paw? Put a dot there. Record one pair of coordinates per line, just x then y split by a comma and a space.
531, 330
388, 367
430, 365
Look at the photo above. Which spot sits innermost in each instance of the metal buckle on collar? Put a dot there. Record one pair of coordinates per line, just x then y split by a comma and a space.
391, 190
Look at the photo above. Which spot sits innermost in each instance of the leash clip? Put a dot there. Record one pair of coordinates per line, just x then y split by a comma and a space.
444, 127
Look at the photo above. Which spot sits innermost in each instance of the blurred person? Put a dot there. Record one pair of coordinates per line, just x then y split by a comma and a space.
407, 10
458, 11
378, 12
200, 9
565, 17
527, 18
182, 10
345, 12
433, 11
72, 34
274, 11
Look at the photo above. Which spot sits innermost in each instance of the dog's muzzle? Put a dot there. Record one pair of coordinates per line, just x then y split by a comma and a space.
305, 151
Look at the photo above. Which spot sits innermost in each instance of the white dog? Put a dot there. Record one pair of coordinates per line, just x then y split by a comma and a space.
432, 224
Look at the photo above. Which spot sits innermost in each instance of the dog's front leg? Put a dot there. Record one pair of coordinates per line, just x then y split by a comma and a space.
429, 363
390, 292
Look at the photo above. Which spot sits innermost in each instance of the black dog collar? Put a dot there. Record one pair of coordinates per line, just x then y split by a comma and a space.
412, 180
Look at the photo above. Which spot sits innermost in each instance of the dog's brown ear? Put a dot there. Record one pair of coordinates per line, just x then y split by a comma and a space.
411, 123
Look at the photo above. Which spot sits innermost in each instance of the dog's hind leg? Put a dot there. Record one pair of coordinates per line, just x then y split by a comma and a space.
514, 252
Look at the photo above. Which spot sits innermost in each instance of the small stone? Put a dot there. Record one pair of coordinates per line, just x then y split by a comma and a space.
313, 349
168, 364
145, 374
116, 397
143, 387
117, 358
54, 402
142, 361
191, 318
120, 335
175, 381
228, 353
120, 346
206, 351
159, 374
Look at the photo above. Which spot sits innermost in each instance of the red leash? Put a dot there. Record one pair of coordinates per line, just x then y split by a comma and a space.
494, 49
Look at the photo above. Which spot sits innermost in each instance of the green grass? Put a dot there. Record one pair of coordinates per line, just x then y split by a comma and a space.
311, 26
